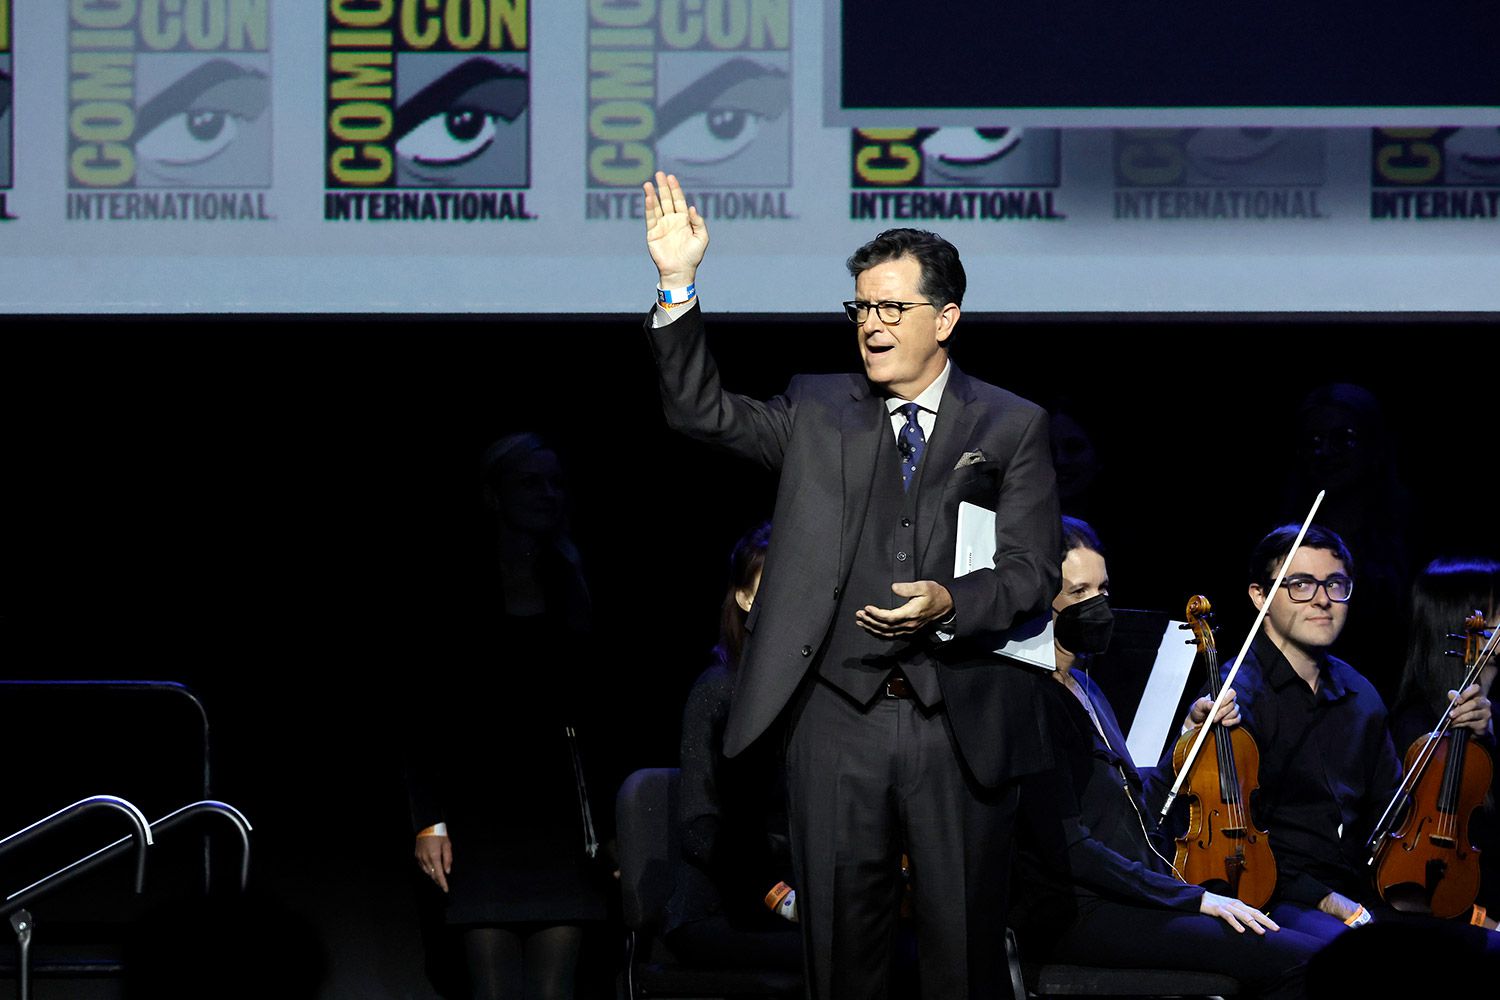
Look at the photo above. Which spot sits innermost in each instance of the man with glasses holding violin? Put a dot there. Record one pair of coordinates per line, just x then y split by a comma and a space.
866, 656
1327, 765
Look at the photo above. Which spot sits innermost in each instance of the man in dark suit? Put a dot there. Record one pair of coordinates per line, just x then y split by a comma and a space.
903, 731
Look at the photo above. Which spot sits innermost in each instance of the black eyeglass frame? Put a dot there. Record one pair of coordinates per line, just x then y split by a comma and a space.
1298, 581
854, 307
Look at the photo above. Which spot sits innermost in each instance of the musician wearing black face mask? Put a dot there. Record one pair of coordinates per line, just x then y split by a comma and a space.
1091, 886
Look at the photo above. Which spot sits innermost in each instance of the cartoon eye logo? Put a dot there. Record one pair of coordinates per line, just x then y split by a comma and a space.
720, 114
1473, 155
1219, 151
453, 120
197, 118
971, 147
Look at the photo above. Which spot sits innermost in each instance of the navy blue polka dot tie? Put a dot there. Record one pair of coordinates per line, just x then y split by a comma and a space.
911, 442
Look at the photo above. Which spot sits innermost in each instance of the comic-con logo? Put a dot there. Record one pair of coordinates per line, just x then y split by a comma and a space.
1219, 173
1004, 173
428, 94
168, 94
1435, 173
697, 88
7, 118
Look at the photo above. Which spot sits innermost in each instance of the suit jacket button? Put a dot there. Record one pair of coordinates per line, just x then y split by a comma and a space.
901, 557
806, 650
906, 522
835, 593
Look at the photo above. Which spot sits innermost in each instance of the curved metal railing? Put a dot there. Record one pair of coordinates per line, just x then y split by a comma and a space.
172, 820
141, 833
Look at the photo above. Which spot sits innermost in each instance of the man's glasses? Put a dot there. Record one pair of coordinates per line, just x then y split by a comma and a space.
889, 312
1301, 589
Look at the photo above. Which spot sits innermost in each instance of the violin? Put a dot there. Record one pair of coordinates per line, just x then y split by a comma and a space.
1222, 845
1427, 863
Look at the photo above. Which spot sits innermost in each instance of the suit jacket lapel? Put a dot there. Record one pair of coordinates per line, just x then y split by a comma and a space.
954, 427
864, 420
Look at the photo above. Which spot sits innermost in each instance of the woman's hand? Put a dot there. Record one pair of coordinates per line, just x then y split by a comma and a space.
435, 856
1472, 710
1235, 913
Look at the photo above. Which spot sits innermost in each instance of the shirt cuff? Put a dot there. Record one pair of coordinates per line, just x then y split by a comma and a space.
945, 630
661, 317
435, 830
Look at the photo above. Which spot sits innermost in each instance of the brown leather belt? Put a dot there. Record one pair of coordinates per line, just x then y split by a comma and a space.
897, 687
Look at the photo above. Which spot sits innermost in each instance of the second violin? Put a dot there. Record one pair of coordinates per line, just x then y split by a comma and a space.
1222, 846
1428, 863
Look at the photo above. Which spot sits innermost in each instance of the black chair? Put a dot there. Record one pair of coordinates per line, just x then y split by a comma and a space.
646, 832
1086, 980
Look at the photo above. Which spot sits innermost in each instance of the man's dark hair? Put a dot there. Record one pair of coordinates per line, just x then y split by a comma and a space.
1079, 534
1269, 553
943, 279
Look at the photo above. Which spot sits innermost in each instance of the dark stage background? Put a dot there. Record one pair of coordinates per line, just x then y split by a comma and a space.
278, 511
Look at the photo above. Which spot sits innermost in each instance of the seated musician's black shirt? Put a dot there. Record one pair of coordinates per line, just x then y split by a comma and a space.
1327, 771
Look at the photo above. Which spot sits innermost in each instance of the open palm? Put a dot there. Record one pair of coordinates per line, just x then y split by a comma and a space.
676, 234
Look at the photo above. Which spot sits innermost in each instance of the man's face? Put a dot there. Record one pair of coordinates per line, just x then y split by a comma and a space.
1311, 625
903, 358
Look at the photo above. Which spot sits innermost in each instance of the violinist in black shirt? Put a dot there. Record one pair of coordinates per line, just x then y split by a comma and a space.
1327, 764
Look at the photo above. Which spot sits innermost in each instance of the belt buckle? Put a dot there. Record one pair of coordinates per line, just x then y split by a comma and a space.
897, 687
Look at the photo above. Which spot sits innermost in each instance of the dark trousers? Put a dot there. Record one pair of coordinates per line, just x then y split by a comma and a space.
864, 785
1119, 935
713, 942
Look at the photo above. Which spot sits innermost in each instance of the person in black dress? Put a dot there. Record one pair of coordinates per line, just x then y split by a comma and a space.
1093, 888
732, 812
503, 819
1444, 595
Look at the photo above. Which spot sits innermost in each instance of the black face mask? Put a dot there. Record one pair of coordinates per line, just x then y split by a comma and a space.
1085, 627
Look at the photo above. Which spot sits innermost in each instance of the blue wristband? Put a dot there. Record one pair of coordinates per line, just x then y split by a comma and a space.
676, 296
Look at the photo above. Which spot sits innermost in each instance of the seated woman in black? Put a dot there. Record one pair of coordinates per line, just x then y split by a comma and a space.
1444, 595
732, 812
1093, 888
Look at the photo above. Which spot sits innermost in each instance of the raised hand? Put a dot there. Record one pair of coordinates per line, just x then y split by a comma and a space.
676, 234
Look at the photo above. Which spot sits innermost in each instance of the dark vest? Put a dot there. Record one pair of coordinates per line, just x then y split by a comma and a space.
853, 660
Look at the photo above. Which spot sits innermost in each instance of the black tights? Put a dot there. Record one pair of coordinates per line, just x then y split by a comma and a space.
534, 962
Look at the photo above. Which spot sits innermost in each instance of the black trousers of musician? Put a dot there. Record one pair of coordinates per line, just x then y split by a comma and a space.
1272, 966
864, 785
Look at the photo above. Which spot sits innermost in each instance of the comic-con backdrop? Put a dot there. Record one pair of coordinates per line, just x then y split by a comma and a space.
488, 155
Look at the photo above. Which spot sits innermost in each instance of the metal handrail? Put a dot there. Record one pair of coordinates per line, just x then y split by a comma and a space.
141, 834
21, 898
174, 687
